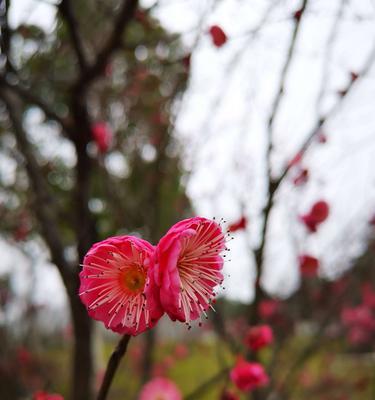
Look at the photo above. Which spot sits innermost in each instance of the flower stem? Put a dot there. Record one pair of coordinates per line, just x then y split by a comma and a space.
112, 366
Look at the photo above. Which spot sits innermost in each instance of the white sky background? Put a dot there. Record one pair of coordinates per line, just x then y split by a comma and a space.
222, 126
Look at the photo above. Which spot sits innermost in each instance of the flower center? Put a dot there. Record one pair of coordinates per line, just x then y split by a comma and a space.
134, 280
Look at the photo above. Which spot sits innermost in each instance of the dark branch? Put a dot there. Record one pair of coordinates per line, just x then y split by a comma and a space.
66, 10
114, 42
26, 94
329, 50
46, 209
259, 253
323, 120
276, 105
284, 74
275, 184
5, 34
112, 366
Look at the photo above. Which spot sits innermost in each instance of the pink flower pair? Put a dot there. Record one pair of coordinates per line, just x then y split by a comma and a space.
128, 284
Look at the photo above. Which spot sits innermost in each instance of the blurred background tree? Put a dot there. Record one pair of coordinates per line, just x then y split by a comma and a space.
101, 86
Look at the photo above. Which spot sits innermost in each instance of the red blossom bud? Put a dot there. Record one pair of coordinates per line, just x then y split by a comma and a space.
218, 36
308, 265
238, 225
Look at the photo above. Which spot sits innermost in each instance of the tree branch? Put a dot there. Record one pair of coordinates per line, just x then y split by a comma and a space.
259, 253
275, 184
26, 94
317, 340
284, 74
5, 34
114, 42
323, 120
45, 211
328, 52
112, 366
66, 10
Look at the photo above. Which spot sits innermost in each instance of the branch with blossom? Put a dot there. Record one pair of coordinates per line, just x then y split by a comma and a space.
128, 284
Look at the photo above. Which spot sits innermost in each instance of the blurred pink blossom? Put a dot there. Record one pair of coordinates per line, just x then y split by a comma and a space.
102, 135
248, 375
368, 295
238, 225
218, 36
40, 395
308, 265
160, 388
258, 337
268, 309
318, 213
181, 351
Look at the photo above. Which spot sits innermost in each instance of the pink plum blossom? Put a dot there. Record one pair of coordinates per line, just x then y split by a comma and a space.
188, 267
238, 225
358, 316
308, 265
296, 160
102, 135
258, 337
248, 375
319, 213
218, 36
115, 285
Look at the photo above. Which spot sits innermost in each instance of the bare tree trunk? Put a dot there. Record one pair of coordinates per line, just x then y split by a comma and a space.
82, 368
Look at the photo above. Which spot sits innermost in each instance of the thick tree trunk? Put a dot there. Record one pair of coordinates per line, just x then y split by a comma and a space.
82, 360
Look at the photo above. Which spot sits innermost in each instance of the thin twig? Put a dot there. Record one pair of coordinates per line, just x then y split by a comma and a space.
228, 75
112, 366
328, 52
335, 108
275, 184
259, 253
284, 75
